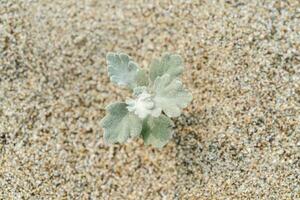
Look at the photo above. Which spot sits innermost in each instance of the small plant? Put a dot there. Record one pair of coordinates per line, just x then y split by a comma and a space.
158, 96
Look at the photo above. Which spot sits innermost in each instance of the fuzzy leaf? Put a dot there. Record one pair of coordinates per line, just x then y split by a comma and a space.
124, 72
142, 78
139, 90
171, 64
143, 104
119, 124
157, 131
170, 95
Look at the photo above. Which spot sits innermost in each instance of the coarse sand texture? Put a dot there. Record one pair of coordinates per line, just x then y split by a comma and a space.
238, 139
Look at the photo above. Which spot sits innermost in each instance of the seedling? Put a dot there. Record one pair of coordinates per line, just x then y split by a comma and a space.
157, 96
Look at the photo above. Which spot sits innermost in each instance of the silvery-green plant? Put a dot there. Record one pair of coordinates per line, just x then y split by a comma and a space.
157, 96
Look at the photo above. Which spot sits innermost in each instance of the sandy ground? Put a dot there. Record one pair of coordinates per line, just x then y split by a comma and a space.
239, 139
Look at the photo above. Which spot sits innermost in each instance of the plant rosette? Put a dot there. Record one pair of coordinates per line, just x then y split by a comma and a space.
158, 95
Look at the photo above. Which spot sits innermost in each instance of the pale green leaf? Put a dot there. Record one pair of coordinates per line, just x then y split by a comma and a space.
139, 90
171, 64
119, 124
157, 131
170, 95
142, 78
125, 72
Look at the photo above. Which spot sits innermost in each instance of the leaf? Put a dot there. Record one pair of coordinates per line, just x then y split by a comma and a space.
139, 90
142, 78
170, 95
171, 64
124, 72
119, 124
142, 106
157, 131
